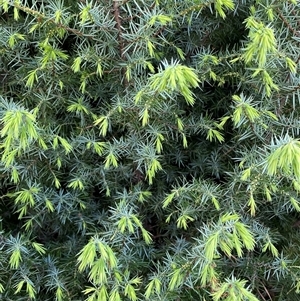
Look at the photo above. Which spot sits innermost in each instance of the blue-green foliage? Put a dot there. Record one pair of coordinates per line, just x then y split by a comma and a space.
149, 150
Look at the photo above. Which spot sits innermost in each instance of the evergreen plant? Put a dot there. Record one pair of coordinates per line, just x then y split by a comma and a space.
149, 150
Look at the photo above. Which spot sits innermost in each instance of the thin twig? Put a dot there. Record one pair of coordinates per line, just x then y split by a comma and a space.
117, 16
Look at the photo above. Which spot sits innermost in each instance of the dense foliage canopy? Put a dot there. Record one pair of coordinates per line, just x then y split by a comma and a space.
149, 150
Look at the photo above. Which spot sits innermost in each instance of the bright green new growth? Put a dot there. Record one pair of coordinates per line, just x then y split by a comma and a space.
230, 235
285, 157
175, 77
18, 132
234, 290
262, 42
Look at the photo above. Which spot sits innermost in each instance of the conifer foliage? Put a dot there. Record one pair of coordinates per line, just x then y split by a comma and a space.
149, 150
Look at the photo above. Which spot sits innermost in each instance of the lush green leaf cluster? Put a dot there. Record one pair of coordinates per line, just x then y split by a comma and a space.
149, 150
